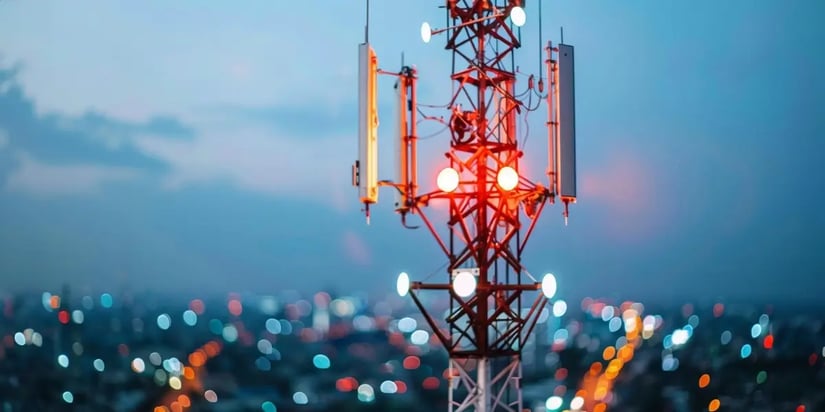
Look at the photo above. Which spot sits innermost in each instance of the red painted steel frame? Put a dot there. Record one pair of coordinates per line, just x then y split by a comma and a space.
485, 227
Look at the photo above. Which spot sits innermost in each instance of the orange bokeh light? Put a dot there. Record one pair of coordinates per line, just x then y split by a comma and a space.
197, 358
704, 381
184, 401
609, 353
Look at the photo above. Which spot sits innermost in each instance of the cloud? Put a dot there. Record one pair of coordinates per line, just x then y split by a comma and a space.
37, 178
296, 120
89, 138
254, 158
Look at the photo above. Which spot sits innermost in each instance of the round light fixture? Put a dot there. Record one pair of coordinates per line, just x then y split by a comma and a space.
507, 178
447, 179
426, 32
402, 286
464, 284
548, 285
518, 16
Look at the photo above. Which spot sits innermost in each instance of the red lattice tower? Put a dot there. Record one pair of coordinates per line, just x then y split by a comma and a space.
493, 209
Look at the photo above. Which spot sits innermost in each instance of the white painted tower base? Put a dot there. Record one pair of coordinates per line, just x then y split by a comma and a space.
484, 393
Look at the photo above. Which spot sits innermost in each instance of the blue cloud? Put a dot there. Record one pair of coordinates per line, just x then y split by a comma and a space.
91, 138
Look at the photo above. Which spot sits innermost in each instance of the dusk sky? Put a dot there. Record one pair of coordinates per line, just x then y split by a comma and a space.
206, 145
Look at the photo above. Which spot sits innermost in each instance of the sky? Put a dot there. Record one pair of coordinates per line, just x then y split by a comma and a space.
206, 146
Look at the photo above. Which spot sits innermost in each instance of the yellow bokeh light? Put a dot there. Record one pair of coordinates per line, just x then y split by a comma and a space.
175, 383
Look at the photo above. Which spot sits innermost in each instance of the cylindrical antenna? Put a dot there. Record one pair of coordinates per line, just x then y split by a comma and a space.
367, 26
541, 42
562, 34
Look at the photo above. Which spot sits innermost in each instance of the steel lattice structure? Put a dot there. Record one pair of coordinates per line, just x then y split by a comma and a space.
493, 209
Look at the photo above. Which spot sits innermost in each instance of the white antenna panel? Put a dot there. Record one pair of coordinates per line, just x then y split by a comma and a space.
367, 124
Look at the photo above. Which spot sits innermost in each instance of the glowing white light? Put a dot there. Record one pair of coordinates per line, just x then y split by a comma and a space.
447, 179
518, 16
164, 321
507, 178
607, 313
63, 361
756, 330
577, 403
402, 286
77, 316
420, 337
366, 393
559, 308
426, 32
389, 387
407, 324
300, 398
190, 318
553, 403
680, 337
99, 365
548, 285
138, 366
37, 339
464, 284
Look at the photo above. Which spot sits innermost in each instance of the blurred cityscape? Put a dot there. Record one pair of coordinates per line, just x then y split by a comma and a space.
287, 352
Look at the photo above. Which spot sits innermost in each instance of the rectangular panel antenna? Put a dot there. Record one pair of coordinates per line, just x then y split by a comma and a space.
403, 145
367, 124
566, 143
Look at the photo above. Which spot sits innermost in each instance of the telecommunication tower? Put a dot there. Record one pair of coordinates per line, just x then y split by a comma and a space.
493, 209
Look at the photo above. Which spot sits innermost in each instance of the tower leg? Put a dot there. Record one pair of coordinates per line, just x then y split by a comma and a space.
483, 385
481, 391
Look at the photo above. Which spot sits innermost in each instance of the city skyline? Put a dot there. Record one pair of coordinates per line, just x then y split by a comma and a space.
176, 148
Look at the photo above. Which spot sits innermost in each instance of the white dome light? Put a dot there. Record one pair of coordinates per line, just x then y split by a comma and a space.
548, 285
464, 284
426, 32
447, 179
507, 178
402, 286
518, 16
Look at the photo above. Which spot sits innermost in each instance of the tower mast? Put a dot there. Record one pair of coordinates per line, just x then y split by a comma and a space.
494, 301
